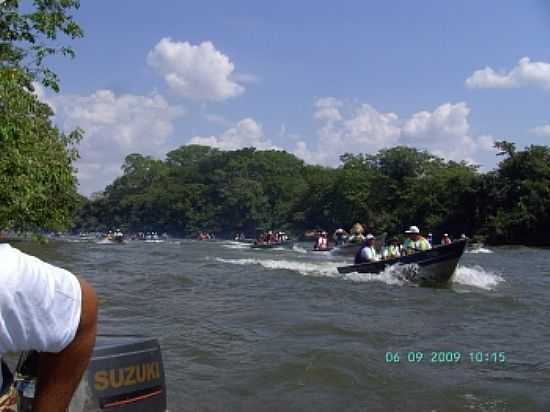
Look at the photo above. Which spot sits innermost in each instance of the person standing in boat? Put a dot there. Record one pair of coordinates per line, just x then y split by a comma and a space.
340, 237
356, 233
322, 242
367, 252
415, 242
446, 240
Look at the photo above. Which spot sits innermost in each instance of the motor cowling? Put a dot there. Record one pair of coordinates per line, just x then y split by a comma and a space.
126, 374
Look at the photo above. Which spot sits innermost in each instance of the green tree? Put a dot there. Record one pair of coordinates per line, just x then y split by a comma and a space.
37, 182
27, 39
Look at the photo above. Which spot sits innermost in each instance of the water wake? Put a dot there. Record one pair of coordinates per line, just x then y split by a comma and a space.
236, 245
299, 249
477, 276
391, 276
394, 275
305, 268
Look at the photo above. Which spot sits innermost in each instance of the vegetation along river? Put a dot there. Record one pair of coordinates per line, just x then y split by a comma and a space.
250, 330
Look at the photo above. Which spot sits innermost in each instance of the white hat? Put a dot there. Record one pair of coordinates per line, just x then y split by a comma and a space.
446, 235
413, 229
370, 236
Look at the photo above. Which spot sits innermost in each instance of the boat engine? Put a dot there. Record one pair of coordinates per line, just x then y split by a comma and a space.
125, 374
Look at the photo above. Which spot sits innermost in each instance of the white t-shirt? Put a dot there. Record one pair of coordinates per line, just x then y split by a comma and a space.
40, 304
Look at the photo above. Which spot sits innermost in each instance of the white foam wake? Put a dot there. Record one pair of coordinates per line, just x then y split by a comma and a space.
394, 275
299, 249
305, 268
480, 249
236, 245
390, 276
477, 276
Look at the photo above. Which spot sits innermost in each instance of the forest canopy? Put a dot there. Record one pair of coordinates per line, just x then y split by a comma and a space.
202, 188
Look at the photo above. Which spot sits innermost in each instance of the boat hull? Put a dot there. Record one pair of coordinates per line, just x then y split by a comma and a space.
431, 267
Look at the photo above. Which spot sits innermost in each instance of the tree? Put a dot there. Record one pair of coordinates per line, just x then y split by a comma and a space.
37, 182
26, 39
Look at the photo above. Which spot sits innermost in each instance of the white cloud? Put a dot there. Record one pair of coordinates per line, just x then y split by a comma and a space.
246, 133
198, 72
366, 130
543, 131
328, 108
444, 131
114, 126
526, 73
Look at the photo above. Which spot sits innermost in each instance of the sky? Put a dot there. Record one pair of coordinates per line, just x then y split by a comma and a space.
317, 79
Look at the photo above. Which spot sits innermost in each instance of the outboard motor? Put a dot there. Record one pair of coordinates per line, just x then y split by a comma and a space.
125, 374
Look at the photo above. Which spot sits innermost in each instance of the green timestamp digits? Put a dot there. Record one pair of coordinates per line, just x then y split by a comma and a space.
442, 357
488, 357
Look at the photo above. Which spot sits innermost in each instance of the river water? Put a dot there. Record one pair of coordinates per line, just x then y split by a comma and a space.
281, 330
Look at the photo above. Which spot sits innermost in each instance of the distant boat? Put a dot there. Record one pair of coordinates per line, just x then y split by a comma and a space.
430, 267
286, 244
328, 249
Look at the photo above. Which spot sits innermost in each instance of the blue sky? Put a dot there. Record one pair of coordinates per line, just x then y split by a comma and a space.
314, 78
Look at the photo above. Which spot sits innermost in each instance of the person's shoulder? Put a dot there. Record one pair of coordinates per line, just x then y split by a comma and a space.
6, 249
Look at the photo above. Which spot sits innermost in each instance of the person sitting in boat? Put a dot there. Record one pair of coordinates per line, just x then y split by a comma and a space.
446, 240
322, 242
340, 236
415, 242
357, 233
430, 239
367, 253
393, 250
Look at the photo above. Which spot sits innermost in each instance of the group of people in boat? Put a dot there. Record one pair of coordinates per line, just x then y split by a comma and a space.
414, 242
119, 236
271, 237
116, 236
203, 235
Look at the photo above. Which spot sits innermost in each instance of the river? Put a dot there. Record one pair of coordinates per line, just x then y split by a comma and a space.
281, 330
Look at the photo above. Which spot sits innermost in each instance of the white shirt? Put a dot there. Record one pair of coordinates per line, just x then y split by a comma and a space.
369, 253
40, 304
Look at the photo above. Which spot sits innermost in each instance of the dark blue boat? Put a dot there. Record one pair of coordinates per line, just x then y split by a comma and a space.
431, 267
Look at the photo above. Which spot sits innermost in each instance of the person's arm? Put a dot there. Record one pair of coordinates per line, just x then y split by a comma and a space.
60, 373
